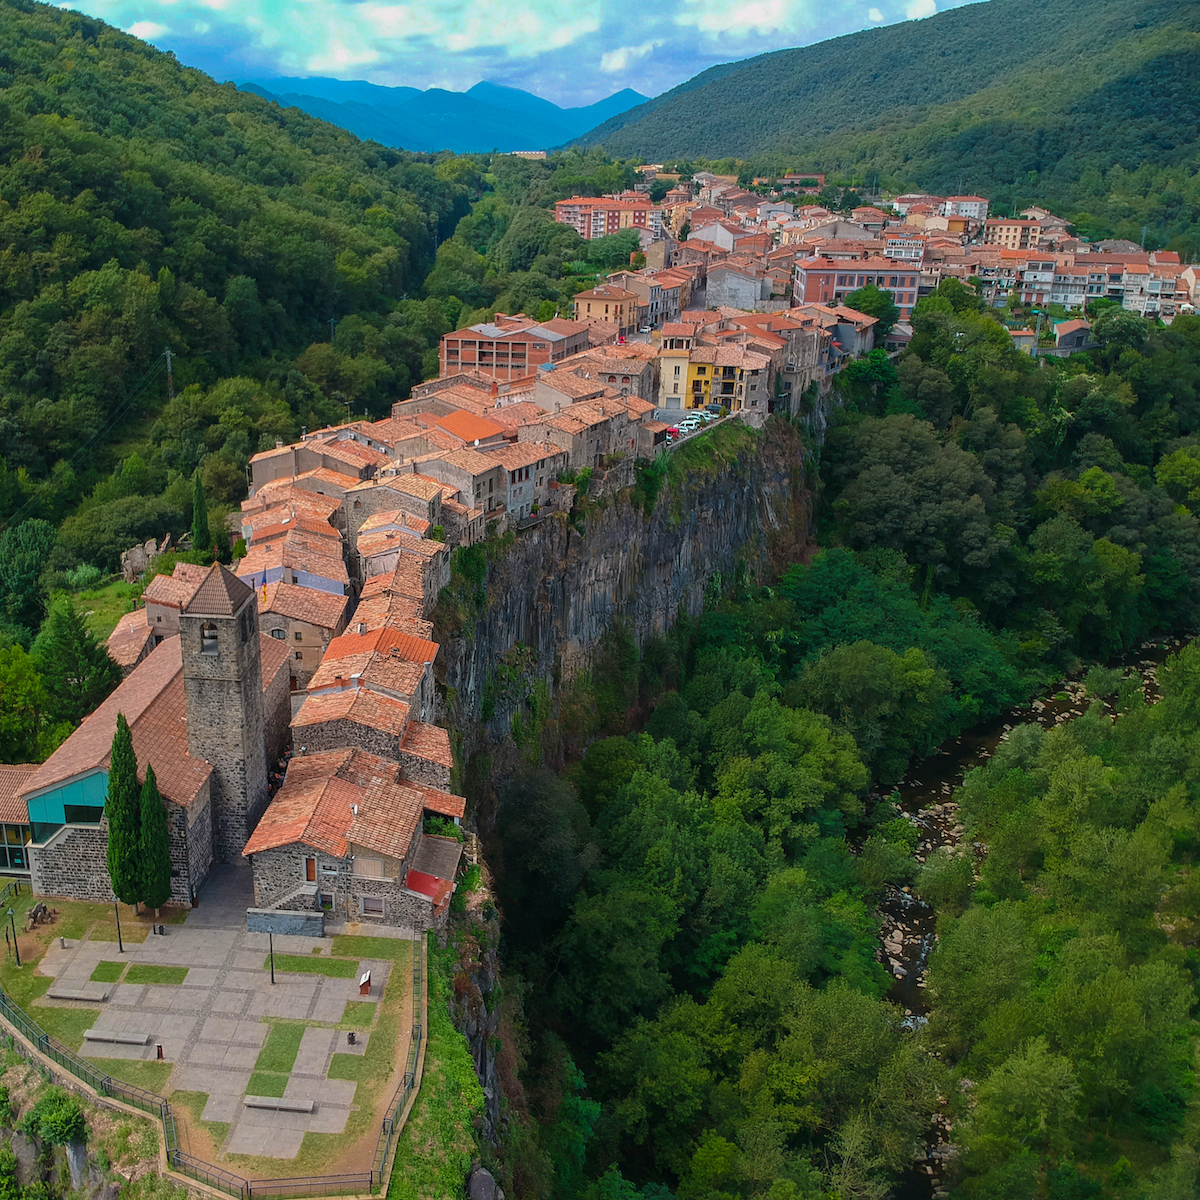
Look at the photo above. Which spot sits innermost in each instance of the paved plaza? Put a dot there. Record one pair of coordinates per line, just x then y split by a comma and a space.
212, 1027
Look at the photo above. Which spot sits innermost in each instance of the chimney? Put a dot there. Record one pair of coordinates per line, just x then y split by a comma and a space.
279, 443
354, 809
495, 389
362, 627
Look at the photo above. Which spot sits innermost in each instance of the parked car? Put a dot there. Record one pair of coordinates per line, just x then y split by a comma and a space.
714, 409
643, 329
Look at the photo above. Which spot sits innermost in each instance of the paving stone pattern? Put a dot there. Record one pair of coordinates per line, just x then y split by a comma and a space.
211, 1026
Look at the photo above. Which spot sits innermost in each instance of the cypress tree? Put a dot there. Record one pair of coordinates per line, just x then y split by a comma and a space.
75, 665
155, 844
201, 534
123, 809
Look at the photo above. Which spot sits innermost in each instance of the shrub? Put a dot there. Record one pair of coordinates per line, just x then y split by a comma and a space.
443, 827
55, 1119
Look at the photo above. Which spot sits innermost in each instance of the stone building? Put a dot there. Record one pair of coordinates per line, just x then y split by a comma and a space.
345, 836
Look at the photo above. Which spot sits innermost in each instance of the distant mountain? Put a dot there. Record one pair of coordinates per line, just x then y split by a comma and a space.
488, 116
978, 97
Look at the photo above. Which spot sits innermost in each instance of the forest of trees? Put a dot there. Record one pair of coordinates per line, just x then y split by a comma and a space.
690, 920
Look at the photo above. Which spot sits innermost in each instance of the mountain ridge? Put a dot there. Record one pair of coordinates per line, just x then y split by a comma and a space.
488, 116
952, 97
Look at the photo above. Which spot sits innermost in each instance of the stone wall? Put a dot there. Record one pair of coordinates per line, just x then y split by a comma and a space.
421, 770
73, 862
198, 818
278, 872
338, 735
277, 724
269, 920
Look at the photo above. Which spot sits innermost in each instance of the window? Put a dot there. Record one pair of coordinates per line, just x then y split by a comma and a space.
299, 636
159, 618
372, 906
278, 633
299, 655
325, 900
372, 868
208, 638
676, 370
358, 504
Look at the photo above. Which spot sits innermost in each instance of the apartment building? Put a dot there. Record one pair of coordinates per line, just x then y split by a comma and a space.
510, 347
596, 217
973, 207
1012, 233
609, 304
824, 281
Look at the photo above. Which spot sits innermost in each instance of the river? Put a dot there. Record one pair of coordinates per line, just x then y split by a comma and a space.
926, 798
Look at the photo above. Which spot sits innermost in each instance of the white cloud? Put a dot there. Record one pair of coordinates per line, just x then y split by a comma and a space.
617, 60
749, 16
919, 9
146, 30
873, 14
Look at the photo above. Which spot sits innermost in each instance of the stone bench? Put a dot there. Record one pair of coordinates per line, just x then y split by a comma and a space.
116, 1038
91, 994
278, 1104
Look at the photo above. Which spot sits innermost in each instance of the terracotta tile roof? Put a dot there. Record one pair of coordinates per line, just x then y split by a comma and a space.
393, 519
357, 705
173, 590
351, 452
151, 697
374, 670
14, 781
221, 594
127, 642
317, 480
570, 384
429, 742
322, 609
407, 541
288, 552
515, 455
280, 502
469, 427
399, 645
313, 527
515, 416
315, 806
470, 461
398, 612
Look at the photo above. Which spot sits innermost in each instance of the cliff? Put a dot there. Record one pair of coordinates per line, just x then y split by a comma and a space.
530, 610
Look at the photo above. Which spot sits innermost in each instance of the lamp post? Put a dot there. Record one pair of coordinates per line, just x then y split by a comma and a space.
120, 944
271, 945
12, 921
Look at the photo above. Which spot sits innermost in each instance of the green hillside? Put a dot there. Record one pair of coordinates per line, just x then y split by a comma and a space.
1028, 99
144, 206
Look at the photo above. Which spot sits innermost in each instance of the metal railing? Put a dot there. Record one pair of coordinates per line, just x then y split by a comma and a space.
197, 1168
390, 1126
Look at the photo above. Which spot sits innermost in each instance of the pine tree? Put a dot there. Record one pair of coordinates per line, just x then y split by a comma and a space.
201, 534
74, 664
123, 809
155, 845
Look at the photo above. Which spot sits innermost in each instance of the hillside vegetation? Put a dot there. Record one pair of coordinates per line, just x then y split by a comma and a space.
1017, 99
144, 206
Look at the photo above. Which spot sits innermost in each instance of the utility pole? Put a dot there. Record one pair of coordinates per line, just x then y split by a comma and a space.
170, 377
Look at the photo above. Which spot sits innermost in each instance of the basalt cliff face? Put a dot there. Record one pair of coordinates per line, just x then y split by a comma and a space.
550, 597
539, 610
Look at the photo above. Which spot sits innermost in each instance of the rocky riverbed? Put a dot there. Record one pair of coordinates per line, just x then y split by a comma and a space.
926, 798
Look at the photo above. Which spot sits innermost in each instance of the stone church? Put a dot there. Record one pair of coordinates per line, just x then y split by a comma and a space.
209, 708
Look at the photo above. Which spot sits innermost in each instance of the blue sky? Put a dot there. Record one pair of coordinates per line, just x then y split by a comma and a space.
570, 51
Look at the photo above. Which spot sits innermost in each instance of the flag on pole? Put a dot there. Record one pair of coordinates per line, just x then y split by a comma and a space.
264, 585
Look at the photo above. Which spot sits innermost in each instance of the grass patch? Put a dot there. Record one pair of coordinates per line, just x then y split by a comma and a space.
152, 1076
149, 973
359, 1012
66, 1024
300, 964
708, 453
436, 1147
347, 945
280, 1049
107, 972
194, 1103
371, 1071
102, 607
264, 1083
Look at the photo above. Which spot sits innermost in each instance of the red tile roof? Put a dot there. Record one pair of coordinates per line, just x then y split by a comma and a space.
14, 781
469, 427
322, 609
357, 705
430, 742
127, 642
221, 594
